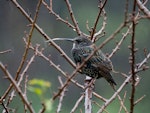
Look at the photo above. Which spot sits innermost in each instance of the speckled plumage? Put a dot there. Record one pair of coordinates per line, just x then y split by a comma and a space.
97, 66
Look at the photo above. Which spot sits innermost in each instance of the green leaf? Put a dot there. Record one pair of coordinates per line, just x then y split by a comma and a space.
35, 90
39, 82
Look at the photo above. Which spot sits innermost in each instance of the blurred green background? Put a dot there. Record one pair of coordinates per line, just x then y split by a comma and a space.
13, 26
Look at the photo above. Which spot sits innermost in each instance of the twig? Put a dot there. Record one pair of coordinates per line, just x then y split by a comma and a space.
102, 28
138, 100
120, 42
50, 8
124, 97
143, 8
122, 104
61, 96
24, 100
5, 108
101, 7
6, 51
43, 108
25, 91
77, 103
77, 29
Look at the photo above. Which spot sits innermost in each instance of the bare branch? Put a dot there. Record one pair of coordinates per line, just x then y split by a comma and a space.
61, 96
24, 100
143, 8
77, 29
101, 7
121, 41
132, 59
56, 15
77, 103
6, 51
138, 100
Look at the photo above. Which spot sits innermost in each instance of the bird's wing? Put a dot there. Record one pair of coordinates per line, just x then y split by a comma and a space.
98, 60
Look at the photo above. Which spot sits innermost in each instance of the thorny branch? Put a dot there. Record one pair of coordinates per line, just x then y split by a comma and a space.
132, 59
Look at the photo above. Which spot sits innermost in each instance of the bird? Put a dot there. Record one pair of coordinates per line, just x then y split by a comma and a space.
97, 66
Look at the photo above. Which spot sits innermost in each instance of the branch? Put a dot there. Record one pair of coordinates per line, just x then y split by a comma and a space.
61, 96
29, 38
24, 100
77, 29
77, 103
132, 59
120, 42
101, 7
102, 28
6, 51
143, 8
56, 15
89, 85
123, 85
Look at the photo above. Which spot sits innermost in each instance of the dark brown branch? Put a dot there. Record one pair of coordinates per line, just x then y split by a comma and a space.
133, 59
101, 7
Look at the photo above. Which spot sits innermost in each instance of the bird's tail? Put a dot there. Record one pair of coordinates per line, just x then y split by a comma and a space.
109, 78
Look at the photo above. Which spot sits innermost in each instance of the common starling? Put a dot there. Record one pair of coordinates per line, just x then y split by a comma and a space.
97, 66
